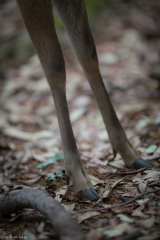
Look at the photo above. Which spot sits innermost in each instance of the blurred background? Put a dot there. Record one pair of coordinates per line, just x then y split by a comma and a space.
110, 20
127, 37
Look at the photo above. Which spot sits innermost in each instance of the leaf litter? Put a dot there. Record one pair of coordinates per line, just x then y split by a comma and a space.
30, 134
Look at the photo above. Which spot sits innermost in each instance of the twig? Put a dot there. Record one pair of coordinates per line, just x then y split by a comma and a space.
122, 204
139, 196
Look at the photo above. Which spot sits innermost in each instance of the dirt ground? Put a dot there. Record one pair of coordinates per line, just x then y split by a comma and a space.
127, 37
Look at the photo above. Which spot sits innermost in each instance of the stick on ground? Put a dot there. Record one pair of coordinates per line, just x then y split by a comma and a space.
64, 225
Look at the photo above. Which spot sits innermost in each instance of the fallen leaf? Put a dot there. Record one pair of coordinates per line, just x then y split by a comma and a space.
106, 205
38, 157
106, 193
113, 233
77, 114
44, 235
87, 215
95, 180
125, 218
61, 191
147, 223
40, 228
118, 181
32, 180
58, 198
106, 170
82, 101
71, 206
16, 133
108, 58
151, 157
94, 234
103, 136
142, 123
66, 207
119, 230
142, 186
151, 174
118, 164
151, 149
139, 214
99, 162
29, 235
141, 201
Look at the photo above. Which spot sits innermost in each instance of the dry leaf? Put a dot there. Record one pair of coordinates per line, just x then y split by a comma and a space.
61, 191
139, 214
142, 186
87, 215
58, 198
118, 164
32, 180
29, 235
125, 218
106, 205
151, 174
40, 228
114, 184
77, 114
66, 207
147, 223
99, 162
119, 230
94, 234
141, 201
39, 157
106, 193
95, 180
12, 132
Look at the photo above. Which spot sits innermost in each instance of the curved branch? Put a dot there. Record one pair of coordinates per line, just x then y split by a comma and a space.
63, 224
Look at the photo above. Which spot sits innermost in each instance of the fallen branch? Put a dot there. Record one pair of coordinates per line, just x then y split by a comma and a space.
63, 224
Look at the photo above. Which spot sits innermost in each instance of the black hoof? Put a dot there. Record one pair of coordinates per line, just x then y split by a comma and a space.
94, 192
67, 179
90, 194
114, 153
141, 163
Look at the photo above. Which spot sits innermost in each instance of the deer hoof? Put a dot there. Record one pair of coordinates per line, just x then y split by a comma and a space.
141, 163
90, 194
114, 153
67, 179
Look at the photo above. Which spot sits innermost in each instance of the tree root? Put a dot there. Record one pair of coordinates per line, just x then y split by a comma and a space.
64, 225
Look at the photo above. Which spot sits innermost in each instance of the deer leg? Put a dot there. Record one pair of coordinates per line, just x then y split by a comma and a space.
39, 21
74, 17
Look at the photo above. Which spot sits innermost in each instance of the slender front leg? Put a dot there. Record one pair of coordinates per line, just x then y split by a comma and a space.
39, 21
74, 17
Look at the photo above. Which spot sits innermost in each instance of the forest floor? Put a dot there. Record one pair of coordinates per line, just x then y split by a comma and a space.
128, 47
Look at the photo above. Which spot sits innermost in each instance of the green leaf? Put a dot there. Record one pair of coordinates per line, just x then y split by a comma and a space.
51, 160
151, 149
